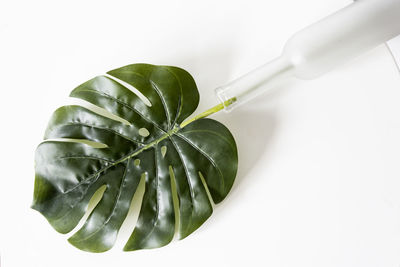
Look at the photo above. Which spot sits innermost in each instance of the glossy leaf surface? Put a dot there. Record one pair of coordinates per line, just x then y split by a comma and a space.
84, 151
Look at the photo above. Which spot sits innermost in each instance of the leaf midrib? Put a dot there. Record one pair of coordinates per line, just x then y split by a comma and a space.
136, 152
174, 131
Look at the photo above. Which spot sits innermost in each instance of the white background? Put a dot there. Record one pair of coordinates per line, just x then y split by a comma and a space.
319, 175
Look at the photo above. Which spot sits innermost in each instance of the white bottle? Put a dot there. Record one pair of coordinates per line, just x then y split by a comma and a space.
319, 48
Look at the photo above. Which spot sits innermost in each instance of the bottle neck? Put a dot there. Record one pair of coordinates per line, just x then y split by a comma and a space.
257, 82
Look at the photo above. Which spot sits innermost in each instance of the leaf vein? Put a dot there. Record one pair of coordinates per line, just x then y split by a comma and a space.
103, 128
167, 115
180, 96
205, 155
84, 157
113, 209
187, 178
157, 213
125, 105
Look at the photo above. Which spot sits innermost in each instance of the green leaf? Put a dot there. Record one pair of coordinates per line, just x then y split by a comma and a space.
85, 149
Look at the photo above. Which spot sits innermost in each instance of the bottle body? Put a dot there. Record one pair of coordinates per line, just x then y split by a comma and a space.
343, 36
321, 47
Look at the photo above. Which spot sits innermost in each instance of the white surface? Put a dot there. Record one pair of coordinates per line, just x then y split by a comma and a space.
319, 176
395, 48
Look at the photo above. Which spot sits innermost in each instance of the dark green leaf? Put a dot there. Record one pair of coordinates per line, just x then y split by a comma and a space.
84, 151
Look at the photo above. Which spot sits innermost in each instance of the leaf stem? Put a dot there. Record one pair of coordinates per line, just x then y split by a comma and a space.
209, 112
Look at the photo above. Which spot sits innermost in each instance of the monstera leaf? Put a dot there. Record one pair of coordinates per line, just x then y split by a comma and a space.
185, 165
